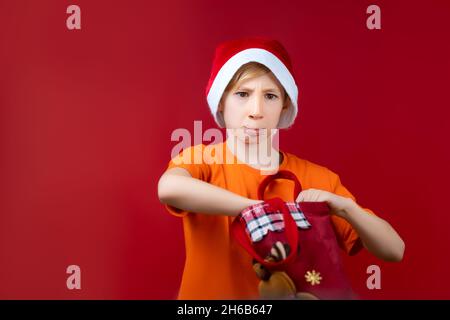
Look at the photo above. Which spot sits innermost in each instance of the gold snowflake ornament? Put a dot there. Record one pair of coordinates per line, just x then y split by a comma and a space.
313, 277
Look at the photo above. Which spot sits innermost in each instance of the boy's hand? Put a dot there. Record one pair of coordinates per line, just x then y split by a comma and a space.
338, 204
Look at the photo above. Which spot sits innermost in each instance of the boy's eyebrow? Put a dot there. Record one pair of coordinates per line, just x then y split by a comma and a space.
264, 90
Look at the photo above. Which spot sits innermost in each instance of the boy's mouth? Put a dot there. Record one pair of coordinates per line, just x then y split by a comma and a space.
252, 131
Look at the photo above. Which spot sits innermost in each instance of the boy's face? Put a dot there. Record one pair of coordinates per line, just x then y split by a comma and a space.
253, 104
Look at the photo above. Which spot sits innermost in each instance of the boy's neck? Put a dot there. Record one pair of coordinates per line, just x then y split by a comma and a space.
261, 156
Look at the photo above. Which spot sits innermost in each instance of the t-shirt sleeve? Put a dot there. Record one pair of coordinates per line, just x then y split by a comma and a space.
190, 159
347, 236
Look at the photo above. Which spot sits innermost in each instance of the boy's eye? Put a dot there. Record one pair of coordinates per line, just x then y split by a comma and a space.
242, 94
271, 96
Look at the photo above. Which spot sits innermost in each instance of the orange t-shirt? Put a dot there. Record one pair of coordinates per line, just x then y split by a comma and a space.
216, 267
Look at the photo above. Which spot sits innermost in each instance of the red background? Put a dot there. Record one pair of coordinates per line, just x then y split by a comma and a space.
86, 118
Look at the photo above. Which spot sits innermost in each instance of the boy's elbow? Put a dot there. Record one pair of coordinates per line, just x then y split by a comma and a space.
170, 186
398, 254
164, 189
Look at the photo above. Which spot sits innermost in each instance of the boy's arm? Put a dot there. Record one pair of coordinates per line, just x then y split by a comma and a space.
179, 189
376, 234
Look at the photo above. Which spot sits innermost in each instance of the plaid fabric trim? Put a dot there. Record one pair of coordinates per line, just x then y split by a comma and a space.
259, 219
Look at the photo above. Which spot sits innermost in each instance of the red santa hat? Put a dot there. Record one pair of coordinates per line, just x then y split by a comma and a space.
231, 55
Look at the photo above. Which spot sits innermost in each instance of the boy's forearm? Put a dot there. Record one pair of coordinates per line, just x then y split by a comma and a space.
376, 234
194, 195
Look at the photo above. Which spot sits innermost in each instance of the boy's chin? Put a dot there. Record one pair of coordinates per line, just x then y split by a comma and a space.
251, 140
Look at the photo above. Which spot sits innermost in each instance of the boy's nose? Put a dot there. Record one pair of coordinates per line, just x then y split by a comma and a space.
256, 111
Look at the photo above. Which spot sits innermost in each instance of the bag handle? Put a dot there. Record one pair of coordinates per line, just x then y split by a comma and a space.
289, 223
238, 231
282, 174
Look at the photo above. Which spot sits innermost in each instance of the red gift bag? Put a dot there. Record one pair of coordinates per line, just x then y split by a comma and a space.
314, 263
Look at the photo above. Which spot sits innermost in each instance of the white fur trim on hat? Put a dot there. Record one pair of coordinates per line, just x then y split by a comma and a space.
266, 58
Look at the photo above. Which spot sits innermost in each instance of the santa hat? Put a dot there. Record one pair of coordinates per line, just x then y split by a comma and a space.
231, 55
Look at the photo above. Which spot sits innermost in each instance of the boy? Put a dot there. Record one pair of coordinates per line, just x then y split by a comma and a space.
252, 92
